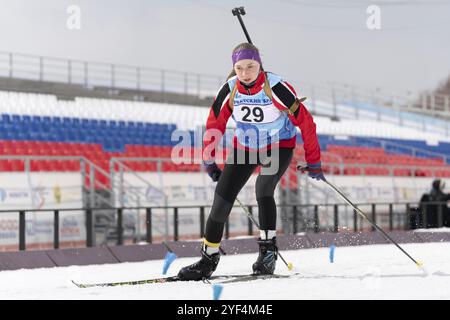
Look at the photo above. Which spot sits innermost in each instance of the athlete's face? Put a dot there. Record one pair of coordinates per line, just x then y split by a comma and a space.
247, 70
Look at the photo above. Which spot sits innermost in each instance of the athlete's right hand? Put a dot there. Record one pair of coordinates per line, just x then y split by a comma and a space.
213, 171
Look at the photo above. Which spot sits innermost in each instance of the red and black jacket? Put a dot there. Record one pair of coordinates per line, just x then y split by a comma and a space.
283, 97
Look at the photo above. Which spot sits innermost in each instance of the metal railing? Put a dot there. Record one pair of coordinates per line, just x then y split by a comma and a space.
430, 103
341, 169
90, 173
112, 76
115, 187
106, 75
300, 220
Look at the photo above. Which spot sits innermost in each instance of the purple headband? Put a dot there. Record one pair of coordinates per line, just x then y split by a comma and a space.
245, 54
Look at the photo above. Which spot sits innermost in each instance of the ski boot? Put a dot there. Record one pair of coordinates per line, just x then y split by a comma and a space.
201, 269
268, 254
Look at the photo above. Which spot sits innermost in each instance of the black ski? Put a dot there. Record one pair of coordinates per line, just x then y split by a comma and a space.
251, 277
127, 283
226, 279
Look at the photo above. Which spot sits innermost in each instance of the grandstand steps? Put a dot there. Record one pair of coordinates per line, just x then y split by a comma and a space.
66, 91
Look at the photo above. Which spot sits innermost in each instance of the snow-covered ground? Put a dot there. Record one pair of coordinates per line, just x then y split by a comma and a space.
364, 272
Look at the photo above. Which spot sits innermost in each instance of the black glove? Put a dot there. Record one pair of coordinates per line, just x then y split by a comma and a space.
213, 171
314, 171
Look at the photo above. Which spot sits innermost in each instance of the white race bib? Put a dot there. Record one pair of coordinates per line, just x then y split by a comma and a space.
255, 113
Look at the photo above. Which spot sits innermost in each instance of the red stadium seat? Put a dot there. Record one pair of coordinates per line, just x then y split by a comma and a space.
5, 166
17, 165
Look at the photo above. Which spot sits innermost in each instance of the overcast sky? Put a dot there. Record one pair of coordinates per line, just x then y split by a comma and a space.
314, 41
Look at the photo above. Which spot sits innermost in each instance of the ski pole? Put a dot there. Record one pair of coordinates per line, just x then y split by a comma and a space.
419, 264
238, 11
289, 265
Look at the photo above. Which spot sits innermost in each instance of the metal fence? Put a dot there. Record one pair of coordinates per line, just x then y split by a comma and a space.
433, 104
106, 75
303, 218
92, 176
91, 74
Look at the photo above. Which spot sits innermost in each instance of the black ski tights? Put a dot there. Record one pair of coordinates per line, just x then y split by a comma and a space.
233, 178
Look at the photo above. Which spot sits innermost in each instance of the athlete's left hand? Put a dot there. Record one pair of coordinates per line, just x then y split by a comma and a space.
314, 171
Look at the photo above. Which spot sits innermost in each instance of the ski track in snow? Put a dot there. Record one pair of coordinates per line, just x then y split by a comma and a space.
363, 272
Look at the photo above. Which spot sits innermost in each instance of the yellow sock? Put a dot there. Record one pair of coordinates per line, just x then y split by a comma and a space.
210, 247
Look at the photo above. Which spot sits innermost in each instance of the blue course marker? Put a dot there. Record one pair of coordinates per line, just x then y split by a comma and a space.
332, 247
170, 257
217, 291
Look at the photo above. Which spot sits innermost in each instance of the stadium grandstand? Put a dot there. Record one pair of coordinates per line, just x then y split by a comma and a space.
98, 135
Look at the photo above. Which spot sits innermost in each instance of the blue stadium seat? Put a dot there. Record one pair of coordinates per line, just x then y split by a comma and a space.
132, 125
6, 118
85, 123
66, 122
56, 121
